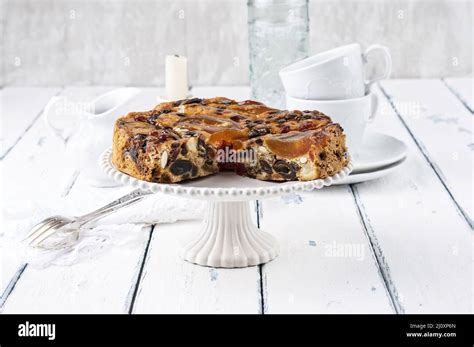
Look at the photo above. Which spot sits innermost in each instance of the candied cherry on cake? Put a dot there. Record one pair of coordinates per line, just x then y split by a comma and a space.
159, 134
285, 129
237, 118
140, 119
305, 126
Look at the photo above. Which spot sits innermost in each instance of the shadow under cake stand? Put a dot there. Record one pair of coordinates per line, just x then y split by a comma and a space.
228, 237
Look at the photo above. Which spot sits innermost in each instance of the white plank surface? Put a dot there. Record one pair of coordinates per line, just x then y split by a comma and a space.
326, 264
171, 285
443, 129
25, 175
423, 244
100, 285
19, 108
35, 165
424, 241
463, 89
115, 273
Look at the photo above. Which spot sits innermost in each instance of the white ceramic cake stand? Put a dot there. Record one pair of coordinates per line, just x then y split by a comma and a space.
228, 237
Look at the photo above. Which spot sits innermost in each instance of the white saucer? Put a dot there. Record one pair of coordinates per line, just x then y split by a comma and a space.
363, 176
378, 150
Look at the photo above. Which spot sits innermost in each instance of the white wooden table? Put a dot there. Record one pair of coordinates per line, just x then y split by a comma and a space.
413, 228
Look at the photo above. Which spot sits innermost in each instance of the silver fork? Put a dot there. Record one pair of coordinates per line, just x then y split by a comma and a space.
48, 227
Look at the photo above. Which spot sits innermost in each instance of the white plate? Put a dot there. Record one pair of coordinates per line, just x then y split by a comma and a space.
378, 150
364, 176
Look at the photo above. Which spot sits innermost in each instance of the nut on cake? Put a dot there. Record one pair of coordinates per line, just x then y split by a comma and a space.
192, 138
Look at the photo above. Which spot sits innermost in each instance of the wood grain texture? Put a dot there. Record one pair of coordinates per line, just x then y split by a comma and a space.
31, 161
23, 134
75, 290
171, 285
117, 268
425, 241
442, 128
463, 88
101, 285
123, 42
427, 39
90, 42
217, 52
20, 109
326, 264
408, 220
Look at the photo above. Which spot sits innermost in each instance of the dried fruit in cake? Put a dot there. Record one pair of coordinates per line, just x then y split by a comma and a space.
192, 138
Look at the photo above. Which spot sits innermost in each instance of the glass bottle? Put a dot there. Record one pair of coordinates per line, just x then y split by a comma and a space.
278, 36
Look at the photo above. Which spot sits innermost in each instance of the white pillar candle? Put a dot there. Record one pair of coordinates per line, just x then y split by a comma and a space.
176, 77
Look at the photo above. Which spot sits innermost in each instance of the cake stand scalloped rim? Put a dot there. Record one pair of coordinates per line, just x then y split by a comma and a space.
228, 238
223, 194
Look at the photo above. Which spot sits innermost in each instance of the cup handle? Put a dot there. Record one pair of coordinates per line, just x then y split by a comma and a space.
388, 63
374, 105
50, 109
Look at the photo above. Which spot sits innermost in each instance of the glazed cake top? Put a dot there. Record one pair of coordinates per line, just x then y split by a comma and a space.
225, 122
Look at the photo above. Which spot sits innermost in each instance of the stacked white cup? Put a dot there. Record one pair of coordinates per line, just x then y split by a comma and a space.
335, 83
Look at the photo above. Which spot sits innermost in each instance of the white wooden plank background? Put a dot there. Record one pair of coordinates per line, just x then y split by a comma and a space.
45, 165
115, 274
170, 285
463, 88
412, 262
422, 239
442, 129
20, 108
24, 144
310, 276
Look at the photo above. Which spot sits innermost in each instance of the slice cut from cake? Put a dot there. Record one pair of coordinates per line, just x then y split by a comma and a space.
192, 138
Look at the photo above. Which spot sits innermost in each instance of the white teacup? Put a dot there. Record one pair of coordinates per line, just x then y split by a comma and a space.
333, 75
352, 114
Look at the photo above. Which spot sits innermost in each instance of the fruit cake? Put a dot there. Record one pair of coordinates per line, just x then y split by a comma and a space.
192, 138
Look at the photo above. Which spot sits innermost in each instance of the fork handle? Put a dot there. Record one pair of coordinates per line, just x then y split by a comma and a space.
126, 200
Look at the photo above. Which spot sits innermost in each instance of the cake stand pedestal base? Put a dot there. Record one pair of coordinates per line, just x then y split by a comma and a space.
229, 239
